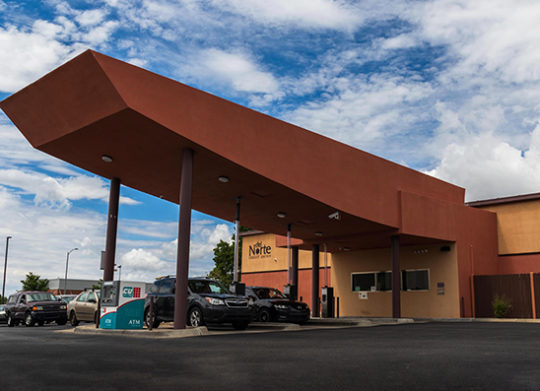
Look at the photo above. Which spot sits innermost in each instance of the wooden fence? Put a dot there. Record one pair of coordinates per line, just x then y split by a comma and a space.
522, 291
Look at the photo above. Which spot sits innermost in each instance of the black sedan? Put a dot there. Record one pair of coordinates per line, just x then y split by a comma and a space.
3, 315
270, 305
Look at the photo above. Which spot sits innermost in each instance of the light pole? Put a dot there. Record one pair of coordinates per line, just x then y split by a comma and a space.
119, 272
67, 261
5, 268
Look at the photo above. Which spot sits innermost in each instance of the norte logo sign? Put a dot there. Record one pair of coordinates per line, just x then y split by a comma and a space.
259, 250
129, 291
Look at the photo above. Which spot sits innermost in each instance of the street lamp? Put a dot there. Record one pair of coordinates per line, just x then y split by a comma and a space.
67, 261
5, 268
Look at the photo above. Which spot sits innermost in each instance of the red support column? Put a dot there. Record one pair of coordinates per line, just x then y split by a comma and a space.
112, 225
315, 282
184, 231
396, 278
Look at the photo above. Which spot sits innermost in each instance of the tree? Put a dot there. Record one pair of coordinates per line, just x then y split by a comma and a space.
3, 299
33, 282
98, 285
224, 261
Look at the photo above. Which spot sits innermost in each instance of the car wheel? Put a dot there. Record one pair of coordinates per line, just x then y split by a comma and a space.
10, 321
73, 319
195, 317
29, 320
264, 315
241, 325
147, 319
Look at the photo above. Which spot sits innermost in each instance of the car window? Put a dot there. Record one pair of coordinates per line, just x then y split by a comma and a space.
166, 286
91, 296
12, 299
82, 297
202, 286
41, 296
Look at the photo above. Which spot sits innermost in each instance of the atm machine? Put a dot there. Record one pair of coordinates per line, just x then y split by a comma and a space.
122, 305
327, 302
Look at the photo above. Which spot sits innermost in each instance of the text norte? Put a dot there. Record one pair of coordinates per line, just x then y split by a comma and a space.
259, 250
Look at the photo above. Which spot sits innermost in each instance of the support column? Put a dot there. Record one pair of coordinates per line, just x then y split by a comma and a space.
112, 226
315, 281
236, 241
289, 256
184, 232
294, 268
396, 278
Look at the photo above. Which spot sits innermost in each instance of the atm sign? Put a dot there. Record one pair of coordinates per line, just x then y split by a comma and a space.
129, 291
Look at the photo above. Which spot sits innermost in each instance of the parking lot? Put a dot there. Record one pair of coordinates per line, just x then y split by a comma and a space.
426, 356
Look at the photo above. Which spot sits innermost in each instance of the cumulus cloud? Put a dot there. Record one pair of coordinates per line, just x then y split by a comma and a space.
325, 14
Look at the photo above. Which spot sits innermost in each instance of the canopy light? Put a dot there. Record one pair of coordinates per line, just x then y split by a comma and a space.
223, 179
106, 158
318, 233
281, 215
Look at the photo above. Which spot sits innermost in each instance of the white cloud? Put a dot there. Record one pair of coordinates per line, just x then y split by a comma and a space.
489, 167
27, 55
236, 69
91, 17
326, 14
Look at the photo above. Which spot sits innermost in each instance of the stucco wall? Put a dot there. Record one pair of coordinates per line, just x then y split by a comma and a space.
518, 230
442, 268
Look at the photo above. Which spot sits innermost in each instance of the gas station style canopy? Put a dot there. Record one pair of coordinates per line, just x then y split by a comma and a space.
125, 123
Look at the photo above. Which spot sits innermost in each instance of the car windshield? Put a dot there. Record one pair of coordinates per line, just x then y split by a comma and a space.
268, 293
201, 286
44, 296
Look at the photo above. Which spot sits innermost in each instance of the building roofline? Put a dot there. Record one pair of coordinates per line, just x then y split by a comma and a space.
505, 200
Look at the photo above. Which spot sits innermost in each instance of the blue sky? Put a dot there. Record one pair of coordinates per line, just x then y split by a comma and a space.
450, 88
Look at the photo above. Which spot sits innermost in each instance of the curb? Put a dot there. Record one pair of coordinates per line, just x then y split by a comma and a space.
144, 333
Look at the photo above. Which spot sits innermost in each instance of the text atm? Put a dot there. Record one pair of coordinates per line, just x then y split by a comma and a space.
122, 305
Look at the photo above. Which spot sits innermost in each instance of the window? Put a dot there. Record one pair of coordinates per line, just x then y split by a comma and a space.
12, 299
82, 297
415, 280
166, 286
363, 281
384, 281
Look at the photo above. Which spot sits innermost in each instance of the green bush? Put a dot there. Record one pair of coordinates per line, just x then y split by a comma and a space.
501, 306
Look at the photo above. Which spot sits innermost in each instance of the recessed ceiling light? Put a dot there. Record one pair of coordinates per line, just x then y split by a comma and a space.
318, 233
346, 249
281, 215
106, 158
223, 179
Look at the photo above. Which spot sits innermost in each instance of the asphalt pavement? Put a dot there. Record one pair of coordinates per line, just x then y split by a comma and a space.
428, 356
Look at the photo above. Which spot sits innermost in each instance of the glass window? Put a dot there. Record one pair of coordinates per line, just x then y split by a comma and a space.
415, 280
384, 281
167, 286
12, 299
202, 286
42, 296
82, 296
363, 281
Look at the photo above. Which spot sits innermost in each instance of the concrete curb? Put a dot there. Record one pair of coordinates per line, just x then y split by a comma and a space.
144, 333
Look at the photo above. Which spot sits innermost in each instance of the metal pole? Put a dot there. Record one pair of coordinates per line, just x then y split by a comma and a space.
396, 278
5, 268
184, 231
289, 258
236, 240
112, 225
67, 261
325, 265
119, 272
315, 281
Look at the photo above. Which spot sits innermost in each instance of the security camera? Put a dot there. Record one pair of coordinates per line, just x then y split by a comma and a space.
334, 216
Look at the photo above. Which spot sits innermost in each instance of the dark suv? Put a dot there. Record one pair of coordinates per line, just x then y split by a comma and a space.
270, 305
208, 302
35, 307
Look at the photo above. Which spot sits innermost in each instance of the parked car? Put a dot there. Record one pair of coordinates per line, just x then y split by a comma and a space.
35, 307
208, 302
66, 298
84, 307
270, 305
3, 315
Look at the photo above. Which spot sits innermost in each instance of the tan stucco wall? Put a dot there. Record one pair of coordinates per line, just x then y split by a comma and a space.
517, 226
273, 258
442, 268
